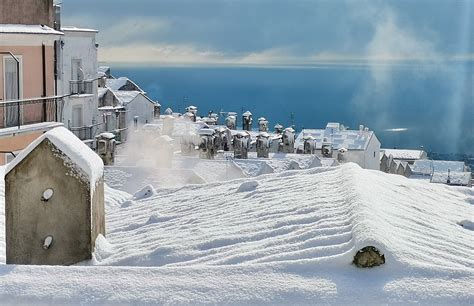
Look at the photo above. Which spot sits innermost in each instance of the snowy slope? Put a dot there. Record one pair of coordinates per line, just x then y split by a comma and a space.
279, 238
319, 215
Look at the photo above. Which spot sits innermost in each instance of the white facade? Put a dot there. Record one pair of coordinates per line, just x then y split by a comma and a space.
358, 146
77, 75
137, 106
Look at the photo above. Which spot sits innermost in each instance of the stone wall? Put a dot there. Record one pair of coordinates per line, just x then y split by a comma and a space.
27, 12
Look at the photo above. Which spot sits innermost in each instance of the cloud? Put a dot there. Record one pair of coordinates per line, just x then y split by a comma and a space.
131, 30
160, 54
266, 32
391, 43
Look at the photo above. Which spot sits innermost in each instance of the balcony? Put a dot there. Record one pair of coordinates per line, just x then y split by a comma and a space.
81, 87
85, 132
18, 113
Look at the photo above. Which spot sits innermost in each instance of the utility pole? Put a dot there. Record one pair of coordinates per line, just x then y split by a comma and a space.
292, 118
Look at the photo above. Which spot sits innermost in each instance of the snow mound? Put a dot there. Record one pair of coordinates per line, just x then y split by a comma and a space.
469, 225
145, 192
248, 186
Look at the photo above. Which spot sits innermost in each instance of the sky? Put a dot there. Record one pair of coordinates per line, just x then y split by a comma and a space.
276, 32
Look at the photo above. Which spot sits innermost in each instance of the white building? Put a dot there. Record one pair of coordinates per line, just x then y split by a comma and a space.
443, 172
139, 108
409, 156
359, 146
77, 75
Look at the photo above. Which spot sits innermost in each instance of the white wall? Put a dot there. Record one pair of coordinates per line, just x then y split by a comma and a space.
372, 154
365, 159
141, 107
79, 45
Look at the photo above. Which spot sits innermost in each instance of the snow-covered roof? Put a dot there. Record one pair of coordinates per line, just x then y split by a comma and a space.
103, 69
117, 84
455, 178
76, 29
206, 131
28, 29
126, 97
427, 167
403, 154
101, 91
333, 125
349, 139
78, 152
111, 108
107, 135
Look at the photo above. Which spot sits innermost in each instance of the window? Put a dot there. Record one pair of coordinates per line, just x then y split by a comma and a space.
77, 116
11, 80
76, 70
10, 89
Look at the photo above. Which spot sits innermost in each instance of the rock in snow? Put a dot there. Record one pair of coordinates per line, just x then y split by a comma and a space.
248, 186
145, 192
292, 240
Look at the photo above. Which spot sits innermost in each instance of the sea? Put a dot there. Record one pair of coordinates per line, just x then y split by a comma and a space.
409, 105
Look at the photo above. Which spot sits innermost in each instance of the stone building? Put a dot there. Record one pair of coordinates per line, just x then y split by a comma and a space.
54, 201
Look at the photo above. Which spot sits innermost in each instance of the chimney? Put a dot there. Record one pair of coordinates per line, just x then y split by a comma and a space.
57, 17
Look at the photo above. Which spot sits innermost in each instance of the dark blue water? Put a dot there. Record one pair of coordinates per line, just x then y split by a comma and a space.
408, 106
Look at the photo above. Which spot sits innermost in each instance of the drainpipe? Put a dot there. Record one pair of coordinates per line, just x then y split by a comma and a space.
18, 88
43, 56
56, 79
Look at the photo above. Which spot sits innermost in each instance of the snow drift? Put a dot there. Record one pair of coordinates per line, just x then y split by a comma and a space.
290, 238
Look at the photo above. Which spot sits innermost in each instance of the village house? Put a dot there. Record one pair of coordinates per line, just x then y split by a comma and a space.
54, 201
77, 75
29, 102
409, 156
442, 171
359, 146
123, 104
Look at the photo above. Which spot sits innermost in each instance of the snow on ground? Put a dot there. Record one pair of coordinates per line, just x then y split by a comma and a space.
184, 171
130, 174
279, 238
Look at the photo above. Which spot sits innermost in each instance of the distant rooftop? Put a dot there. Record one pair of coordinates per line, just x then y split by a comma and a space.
403, 154
455, 178
76, 29
348, 139
427, 167
126, 97
121, 83
28, 29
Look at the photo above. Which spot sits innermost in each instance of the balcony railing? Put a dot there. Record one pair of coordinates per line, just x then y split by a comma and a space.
81, 87
85, 132
30, 111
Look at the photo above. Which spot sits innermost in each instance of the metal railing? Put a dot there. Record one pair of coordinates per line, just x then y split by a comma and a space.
85, 132
29, 111
81, 87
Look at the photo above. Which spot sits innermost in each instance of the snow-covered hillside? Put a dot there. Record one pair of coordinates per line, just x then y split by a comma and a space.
286, 237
